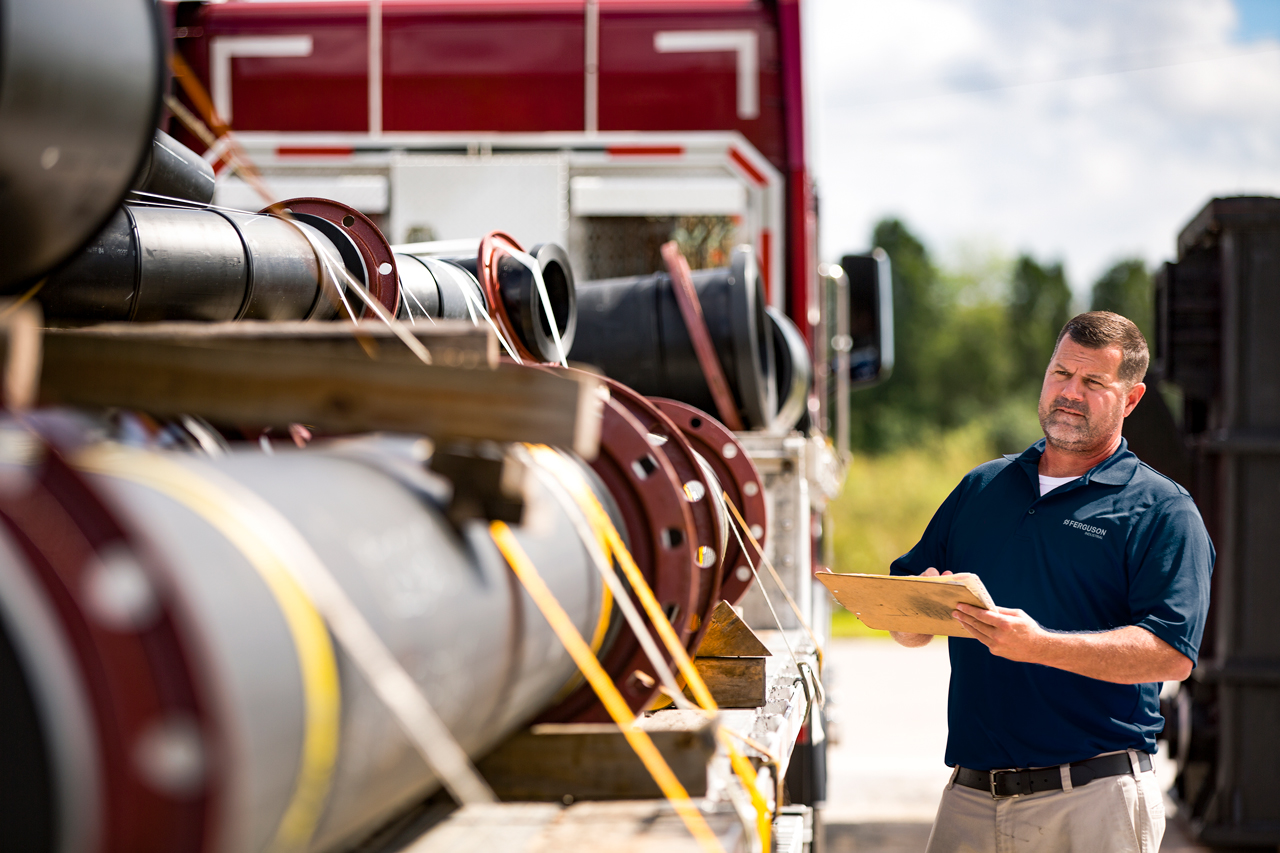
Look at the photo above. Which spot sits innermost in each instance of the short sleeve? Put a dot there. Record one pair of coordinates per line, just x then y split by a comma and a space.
931, 550
1170, 561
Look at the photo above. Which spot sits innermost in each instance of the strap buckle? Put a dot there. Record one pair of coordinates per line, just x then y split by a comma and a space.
992, 784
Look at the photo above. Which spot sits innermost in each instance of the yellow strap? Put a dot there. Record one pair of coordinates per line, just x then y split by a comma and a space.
603, 686
750, 781
23, 299
600, 521
316, 661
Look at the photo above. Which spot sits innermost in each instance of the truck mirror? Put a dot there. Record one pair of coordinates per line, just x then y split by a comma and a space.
869, 341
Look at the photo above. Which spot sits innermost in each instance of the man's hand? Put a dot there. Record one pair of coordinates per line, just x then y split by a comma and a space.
1006, 631
1129, 655
908, 639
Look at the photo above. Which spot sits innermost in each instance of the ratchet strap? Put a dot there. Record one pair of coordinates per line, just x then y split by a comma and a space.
603, 686
600, 522
700, 335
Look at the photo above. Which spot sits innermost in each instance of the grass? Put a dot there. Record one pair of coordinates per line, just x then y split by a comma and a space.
887, 501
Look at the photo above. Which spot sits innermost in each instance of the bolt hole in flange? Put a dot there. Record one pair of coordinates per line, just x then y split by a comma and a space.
342, 223
644, 467
648, 508
697, 481
694, 491
736, 475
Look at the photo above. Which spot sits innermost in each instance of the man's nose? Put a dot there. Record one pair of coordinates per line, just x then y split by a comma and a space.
1074, 389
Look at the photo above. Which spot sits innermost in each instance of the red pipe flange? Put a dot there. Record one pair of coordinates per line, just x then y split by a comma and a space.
134, 663
739, 478
658, 524
709, 526
487, 272
379, 261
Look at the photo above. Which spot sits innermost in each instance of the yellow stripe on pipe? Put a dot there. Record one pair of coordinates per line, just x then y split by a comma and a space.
603, 686
317, 663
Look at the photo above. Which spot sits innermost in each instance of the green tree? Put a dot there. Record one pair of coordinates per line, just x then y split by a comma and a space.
1126, 289
892, 413
1039, 306
952, 359
969, 350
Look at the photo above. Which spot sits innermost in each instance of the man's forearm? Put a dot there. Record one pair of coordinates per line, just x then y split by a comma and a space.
1129, 655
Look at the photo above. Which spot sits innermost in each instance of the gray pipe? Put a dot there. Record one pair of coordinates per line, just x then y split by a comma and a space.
174, 171
160, 263
442, 287
436, 288
441, 598
80, 84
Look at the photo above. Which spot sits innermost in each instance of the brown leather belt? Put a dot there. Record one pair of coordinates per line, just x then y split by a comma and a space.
1002, 784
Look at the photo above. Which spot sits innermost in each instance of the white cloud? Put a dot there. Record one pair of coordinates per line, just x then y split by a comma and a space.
1079, 131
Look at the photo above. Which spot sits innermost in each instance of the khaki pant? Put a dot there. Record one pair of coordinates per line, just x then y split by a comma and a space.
1117, 814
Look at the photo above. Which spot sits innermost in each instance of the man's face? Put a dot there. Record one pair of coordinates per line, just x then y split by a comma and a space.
1083, 402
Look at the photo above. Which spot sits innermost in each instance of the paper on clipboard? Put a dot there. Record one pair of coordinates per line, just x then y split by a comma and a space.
915, 604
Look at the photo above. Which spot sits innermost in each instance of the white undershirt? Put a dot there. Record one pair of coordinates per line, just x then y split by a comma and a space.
1048, 484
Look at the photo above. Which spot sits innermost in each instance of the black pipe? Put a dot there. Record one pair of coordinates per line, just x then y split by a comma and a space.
80, 86
794, 372
632, 329
156, 263
174, 171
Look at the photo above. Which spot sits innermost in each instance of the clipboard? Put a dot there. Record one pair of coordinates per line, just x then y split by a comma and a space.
915, 604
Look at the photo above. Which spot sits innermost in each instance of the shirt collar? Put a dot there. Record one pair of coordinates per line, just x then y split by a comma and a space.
1116, 470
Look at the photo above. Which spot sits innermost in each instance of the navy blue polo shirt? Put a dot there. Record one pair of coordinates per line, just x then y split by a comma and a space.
1122, 545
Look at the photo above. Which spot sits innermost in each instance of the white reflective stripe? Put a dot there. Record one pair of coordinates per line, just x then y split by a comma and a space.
222, 48
745, 43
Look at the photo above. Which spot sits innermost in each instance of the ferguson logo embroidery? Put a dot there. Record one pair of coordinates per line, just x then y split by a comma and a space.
1087, 529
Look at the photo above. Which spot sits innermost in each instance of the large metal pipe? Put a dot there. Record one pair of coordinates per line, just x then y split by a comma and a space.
437, 289
632, 329
164, 263
793, 372
171, 170
168, 685
172, 676
80, 86
504, 280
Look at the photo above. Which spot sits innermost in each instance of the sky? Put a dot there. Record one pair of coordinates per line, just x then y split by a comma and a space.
1082, 132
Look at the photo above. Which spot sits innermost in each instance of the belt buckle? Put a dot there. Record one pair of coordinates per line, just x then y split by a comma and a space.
992, 783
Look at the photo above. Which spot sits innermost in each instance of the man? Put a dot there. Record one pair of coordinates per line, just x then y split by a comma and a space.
1101, 567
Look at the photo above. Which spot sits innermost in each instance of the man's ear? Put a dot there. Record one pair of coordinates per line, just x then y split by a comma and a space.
1135, 394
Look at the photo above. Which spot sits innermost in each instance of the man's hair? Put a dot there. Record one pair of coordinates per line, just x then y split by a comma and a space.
1102, 329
